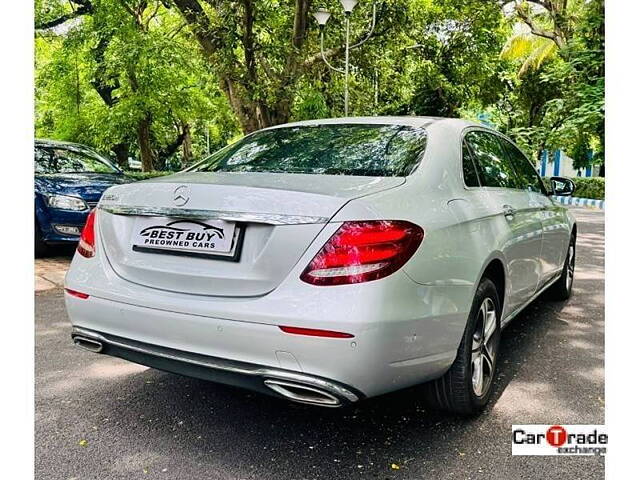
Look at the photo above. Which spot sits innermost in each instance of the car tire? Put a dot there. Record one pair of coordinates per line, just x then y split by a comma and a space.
562, 288
467, 386
40, 247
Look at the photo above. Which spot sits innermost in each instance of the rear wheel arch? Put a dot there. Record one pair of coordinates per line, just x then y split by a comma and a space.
561, 289
453, 391
461, 390
495, 271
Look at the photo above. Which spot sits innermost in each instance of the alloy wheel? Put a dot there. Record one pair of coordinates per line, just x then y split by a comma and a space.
484, 348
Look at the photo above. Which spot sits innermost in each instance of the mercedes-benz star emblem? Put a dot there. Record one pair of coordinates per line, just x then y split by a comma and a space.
181, 195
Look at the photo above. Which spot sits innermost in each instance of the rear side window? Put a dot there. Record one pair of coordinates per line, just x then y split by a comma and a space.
494, 167
469, 172
529, 178
326, 149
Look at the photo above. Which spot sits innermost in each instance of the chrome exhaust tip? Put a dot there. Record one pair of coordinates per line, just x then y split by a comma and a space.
90, 344
299, 392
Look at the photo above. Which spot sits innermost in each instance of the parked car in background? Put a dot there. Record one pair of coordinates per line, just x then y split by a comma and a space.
328, 261
69, 180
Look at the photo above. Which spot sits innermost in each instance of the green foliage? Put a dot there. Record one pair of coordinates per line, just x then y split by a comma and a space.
96, 82
457, 45
581, 152
555, 99
533, 51
167, 81
310, 103
592, 187
582, 75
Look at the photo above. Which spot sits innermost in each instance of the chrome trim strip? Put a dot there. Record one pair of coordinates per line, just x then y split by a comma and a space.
268, 218
220, 364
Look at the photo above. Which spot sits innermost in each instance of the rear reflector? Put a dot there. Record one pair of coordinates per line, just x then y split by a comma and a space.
313, 332
363, 251
75, 293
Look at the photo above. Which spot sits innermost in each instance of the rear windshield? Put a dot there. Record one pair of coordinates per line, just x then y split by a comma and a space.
361, 150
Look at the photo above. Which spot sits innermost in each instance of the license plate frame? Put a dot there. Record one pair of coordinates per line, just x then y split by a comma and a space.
233, 255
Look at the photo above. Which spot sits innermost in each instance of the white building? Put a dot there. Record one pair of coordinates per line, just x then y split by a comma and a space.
558, 164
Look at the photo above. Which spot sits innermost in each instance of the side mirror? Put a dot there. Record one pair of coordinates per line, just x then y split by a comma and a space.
562, 187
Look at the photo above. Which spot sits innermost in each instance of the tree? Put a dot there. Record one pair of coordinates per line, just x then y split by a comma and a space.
553, 19
531, 50
135, 81
457, 45
51, 14
556, 98
582, 77
260, 53
544, 28
168, 80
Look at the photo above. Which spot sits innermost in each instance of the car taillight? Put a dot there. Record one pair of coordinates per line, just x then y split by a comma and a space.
87, 244
363, 251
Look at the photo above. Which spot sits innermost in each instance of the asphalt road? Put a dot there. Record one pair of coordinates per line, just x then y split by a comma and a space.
103, 418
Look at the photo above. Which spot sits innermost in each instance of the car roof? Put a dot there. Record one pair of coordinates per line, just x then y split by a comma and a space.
45, 142
408, 120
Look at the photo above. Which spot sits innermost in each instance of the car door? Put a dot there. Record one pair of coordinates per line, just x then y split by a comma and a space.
514, 212
554, 230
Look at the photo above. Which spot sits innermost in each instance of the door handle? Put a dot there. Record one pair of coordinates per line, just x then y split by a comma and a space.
508, 210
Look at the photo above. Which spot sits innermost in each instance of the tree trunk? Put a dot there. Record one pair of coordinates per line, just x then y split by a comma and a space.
254, 115
187, 153
122, 154
245, 111
144, 143
164, 154
252, 110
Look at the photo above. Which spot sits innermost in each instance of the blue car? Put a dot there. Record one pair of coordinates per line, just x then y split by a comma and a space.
69, 180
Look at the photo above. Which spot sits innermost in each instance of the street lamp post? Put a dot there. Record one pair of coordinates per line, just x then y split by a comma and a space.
322, 17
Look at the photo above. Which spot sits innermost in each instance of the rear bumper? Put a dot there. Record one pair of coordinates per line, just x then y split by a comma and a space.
404, 333
295, 386
385, 354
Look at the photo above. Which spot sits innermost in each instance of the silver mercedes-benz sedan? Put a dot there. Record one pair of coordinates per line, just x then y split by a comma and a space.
327, 261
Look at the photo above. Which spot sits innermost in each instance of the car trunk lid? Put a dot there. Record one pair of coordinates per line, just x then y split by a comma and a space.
273, 219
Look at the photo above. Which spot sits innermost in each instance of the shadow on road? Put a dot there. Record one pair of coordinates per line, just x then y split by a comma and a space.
59, 251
